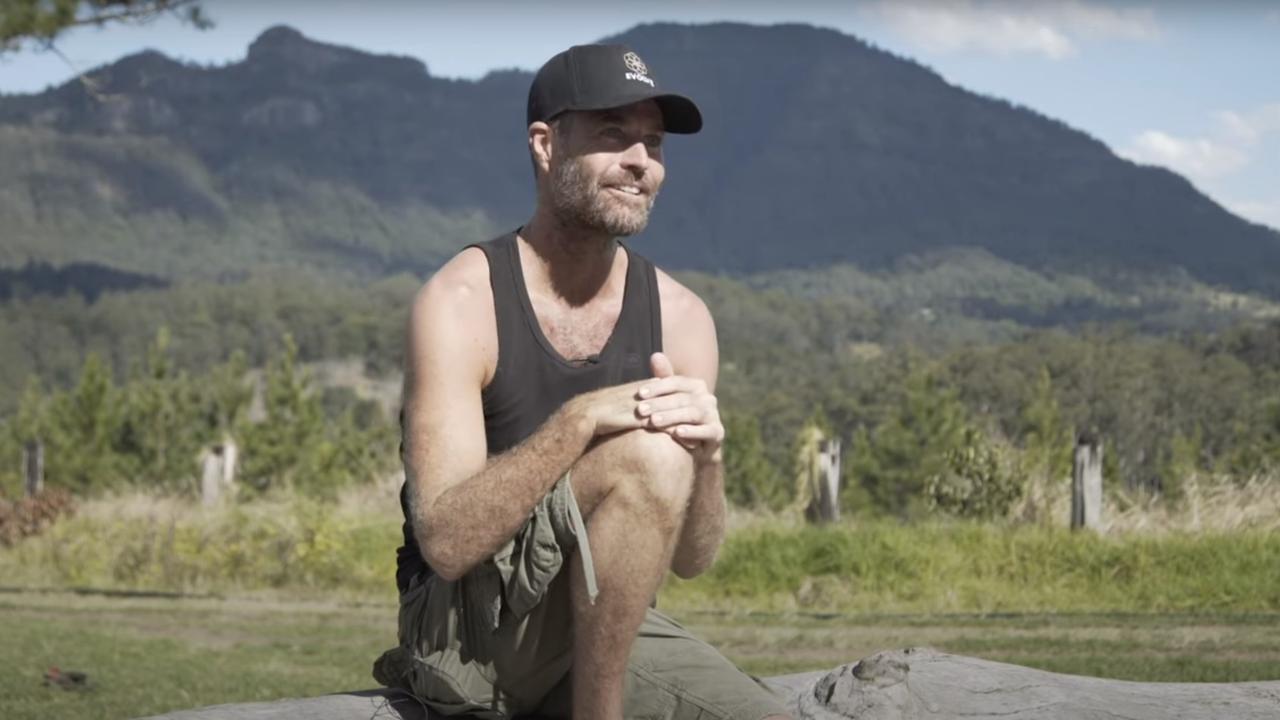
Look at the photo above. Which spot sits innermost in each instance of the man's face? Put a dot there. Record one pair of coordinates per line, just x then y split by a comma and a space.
606, 168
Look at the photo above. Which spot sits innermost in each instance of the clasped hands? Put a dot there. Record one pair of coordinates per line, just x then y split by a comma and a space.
683, 407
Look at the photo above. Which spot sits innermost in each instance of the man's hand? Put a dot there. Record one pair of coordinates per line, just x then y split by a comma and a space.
608, 410
683, 407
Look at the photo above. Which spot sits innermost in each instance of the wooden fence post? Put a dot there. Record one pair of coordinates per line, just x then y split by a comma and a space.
33, 467
826, 501
211, 476
230, 456
1086, 485
218, 472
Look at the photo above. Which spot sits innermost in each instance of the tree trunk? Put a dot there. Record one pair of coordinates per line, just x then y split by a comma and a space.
915, 683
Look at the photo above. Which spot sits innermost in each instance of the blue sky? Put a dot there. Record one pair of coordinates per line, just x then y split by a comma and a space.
1193, 86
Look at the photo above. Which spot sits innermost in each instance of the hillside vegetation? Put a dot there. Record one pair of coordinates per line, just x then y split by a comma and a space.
819, 149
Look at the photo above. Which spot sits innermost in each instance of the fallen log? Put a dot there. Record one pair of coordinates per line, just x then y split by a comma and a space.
891, 685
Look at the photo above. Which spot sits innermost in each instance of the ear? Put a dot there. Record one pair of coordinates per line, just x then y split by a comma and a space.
540, 143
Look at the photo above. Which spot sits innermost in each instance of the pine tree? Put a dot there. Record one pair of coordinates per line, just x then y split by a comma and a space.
162, 428
750, 479
83, 430
276, 449
1047, 441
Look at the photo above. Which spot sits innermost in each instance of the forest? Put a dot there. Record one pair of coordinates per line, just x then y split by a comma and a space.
126, 389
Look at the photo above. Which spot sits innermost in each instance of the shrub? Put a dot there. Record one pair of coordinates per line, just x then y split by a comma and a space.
33, 515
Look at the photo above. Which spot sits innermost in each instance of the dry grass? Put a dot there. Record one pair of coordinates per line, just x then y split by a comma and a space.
370, 501
1210, 503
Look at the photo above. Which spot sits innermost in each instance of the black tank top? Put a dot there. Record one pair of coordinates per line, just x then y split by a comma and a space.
532, 379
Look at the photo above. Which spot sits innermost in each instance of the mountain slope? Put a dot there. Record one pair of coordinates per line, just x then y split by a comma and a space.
818, 149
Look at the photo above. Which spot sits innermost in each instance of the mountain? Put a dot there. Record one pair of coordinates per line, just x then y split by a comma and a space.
818, 149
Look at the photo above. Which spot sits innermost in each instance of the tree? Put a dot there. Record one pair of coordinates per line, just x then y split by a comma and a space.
83, 429
296, 447
29, 424
277, 448
894, 461
162, 429
1047, 440
42, 21
750, 479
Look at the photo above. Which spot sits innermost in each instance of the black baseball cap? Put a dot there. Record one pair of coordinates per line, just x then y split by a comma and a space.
597, 77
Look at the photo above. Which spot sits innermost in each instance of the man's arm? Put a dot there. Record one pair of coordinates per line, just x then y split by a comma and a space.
689, 340
464, 504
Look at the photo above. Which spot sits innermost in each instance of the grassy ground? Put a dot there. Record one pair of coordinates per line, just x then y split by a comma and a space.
150, 655
347, 548
312, 599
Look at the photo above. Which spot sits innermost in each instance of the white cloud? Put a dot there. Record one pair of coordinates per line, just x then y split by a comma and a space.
1197, 158
1236, 140
1043, 27
1091, 20
1259, 211
1250, 127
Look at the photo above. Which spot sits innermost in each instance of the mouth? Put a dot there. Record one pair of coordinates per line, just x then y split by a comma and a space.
628, 190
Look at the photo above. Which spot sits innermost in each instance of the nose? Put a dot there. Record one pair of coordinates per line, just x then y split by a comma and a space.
635, 159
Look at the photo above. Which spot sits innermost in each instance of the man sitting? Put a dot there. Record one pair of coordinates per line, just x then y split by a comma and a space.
562, 446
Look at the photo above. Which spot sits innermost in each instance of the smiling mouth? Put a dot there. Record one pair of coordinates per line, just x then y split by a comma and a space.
628, 190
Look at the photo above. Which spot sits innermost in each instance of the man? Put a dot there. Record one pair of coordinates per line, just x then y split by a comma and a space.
562, 446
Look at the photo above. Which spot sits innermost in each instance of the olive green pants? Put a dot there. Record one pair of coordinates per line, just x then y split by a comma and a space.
497, 643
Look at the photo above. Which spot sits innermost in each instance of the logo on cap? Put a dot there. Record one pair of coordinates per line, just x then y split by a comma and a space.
639, 71
635, 64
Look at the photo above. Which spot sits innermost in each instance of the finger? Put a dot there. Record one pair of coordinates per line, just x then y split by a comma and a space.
661, 365
702, 433
673, 384
666, 402
689, 445
679, 416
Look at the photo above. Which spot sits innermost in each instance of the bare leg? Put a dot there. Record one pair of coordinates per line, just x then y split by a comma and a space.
634, 489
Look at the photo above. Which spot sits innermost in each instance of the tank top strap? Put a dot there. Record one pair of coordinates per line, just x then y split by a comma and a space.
503, 283
648, 304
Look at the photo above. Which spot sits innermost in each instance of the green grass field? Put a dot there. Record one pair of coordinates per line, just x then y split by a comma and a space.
150, 655
309, 600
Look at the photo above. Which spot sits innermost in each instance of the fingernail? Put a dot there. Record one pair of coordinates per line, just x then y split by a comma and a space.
643, 408
644, 392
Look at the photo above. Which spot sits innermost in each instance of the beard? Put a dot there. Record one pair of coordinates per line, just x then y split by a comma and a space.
579, 202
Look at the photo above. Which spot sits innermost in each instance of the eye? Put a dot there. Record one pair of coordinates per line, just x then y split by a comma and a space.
614, 133
653, 141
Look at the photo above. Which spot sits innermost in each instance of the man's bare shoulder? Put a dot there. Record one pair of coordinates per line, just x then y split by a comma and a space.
682, 309
688, 331
453, 315
460, 285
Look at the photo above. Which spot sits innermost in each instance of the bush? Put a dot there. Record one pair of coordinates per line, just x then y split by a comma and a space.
33, 515
977, 482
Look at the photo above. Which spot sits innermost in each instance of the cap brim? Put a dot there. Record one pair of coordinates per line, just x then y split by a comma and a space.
679, 114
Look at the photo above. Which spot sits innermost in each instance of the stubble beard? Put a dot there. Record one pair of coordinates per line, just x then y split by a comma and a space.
579, 202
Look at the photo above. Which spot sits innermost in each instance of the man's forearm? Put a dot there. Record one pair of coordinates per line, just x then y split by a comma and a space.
471, 520
704, 519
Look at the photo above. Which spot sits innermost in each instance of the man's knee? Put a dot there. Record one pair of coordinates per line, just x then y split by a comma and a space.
648, 468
